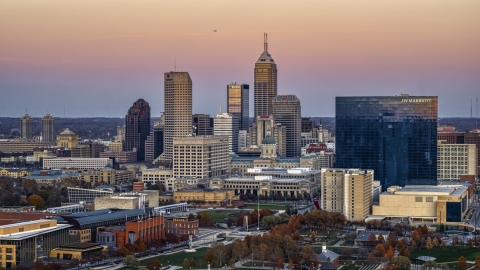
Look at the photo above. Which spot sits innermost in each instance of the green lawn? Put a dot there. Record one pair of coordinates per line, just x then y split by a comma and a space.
176, 259
219, 215
273, 206
448, 254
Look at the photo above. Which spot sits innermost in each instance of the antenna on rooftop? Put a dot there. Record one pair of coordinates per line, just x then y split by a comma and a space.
265, 42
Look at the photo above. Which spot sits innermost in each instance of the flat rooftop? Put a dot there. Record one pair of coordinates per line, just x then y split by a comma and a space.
439, 190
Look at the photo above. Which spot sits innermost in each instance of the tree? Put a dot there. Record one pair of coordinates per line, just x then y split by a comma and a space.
381, 239
372, 237
205, 217
280, 263
371, 259
308, 254
406, 253
462, 263
186, 263
239, 250
380, 250
219, 251
402, 262
37, 201
209, 257
390, 253
477, 263
429, 244
443, 244
193, 263
435, 242
346, 253
154, 265
429, 265
231, 262
131, 261
261, 252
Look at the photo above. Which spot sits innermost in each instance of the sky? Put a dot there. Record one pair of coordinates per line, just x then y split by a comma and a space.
95, 58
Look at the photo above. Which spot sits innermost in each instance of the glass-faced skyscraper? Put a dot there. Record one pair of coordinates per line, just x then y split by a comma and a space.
137, 128
265, 83
396, 136
237, 103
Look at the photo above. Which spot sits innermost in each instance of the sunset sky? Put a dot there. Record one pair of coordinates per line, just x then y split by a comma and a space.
96, 57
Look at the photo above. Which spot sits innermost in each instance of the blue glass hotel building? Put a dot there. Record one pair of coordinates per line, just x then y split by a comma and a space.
396, 136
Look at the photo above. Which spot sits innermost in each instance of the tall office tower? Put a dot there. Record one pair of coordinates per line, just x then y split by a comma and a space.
259, 131
238, 104
48, 128
178, 109
200, 157
287, 111
396, 136
227, 125
121, 133
154, 143
347, 191
26, 123
202, 124
265, 82
137, 128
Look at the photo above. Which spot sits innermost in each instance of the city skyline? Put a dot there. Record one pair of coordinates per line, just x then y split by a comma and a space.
56, 54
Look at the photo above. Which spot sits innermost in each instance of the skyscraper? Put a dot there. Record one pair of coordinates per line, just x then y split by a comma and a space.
48, 128
396, 136
227, 125
178, 109
238, 104
287, 111
137, 128
26, 123
265, 82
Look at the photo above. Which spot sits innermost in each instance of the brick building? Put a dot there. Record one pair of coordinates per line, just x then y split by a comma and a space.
181, 226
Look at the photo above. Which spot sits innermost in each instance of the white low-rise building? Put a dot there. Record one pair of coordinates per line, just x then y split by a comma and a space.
77, 163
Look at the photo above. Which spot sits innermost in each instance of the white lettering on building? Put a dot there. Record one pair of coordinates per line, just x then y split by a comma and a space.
416, 100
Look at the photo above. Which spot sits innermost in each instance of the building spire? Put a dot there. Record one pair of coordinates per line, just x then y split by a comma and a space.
265, 42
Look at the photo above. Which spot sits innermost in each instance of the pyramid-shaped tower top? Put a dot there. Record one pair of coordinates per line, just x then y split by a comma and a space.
265, 57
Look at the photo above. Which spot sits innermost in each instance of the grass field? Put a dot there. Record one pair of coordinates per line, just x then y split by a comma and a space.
448, 254
219, 215
176, 259
273, 206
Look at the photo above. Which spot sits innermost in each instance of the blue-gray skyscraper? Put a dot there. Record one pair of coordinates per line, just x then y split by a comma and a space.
396, 136
238, 103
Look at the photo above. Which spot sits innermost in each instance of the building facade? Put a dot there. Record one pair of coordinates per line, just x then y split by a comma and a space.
181, 226
287, 111
455, 160
265, 124
452, 137
265, 82
347, 191
26, 127
67, 139
27, 242
76, 163
200, 157
225, 124
238, 103
203, 124
137, 128
48, 128
396, 136
178, 109
439, 204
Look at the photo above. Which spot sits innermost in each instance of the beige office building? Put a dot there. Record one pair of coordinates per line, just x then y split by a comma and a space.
288, 112
455, 160
108, 176
67, 139
155, 175
347, 191
178, 109
18, 145
116, 146
417, 203
200, 157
